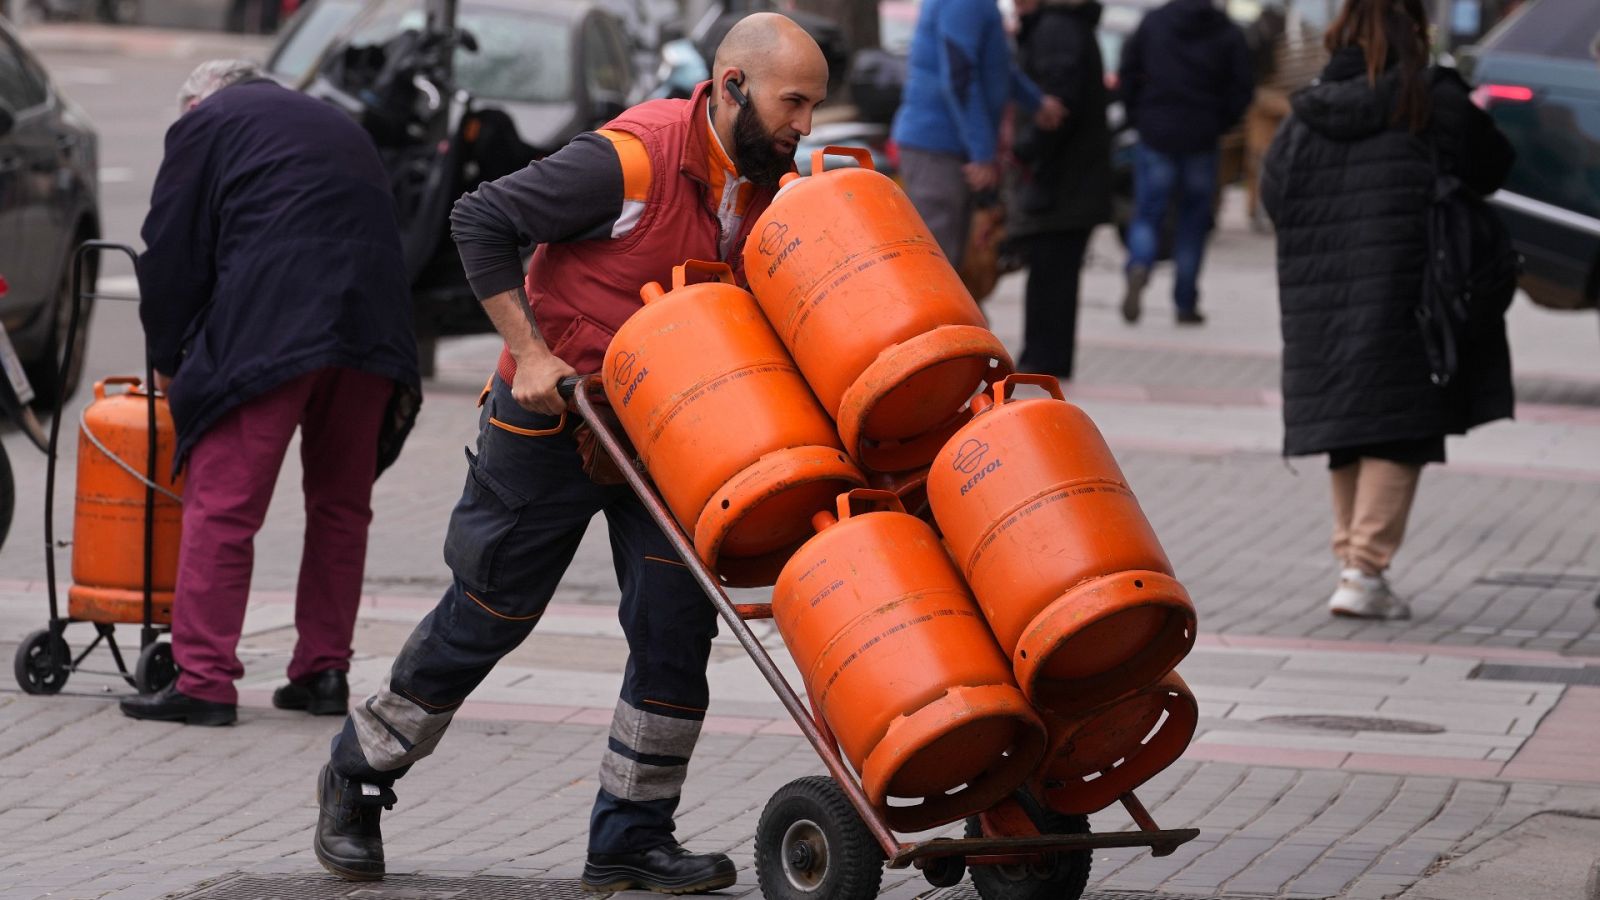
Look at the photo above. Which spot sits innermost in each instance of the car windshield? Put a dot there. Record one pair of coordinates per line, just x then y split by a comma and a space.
321, 22
1569, 29
522, 56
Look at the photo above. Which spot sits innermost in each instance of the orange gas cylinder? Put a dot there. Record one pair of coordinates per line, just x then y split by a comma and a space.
108, 523
900, 666
873, 313
1069, 574
1097, 756
727, 428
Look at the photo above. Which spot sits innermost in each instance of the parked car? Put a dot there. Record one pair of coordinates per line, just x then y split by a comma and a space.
556, 67
49, 203
1538, 75
534, 74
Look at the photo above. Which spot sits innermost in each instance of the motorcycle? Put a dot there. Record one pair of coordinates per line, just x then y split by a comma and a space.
15, 395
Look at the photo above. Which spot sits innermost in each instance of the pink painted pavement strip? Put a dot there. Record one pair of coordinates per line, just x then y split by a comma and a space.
1266, 756
1395, 764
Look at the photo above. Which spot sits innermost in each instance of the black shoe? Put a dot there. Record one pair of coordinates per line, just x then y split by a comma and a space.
168, 705
349, 843
1137, 278
323, 694
1190, 317
668, 869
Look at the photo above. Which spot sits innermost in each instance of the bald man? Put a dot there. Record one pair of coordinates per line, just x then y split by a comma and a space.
666, 181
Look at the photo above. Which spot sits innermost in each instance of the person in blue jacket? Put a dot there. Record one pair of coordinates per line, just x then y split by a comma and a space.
959, 78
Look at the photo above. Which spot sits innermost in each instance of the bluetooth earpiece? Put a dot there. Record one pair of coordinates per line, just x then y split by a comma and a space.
738, 95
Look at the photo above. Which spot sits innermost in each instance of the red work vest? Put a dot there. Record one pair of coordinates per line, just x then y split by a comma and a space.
582, 292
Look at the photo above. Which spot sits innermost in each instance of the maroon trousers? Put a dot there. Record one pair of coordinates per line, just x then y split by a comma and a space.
231, 472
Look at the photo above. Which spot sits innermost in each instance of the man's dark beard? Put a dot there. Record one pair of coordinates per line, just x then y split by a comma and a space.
756, 150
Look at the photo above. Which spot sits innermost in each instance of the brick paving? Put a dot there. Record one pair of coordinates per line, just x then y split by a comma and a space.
1501, 564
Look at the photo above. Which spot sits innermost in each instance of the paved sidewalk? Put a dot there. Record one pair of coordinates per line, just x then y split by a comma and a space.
1335, 758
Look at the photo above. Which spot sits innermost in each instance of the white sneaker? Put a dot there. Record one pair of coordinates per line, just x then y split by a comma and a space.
1363, 596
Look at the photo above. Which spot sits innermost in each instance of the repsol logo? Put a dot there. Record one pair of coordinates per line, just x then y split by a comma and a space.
622, 367
772, 237
627, 396
979, 476
782, 255
969, 456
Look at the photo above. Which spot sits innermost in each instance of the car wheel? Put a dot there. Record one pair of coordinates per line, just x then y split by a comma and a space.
49, 393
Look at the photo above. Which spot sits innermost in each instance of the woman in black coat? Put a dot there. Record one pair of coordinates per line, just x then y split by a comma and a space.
1064, 189
1348, 183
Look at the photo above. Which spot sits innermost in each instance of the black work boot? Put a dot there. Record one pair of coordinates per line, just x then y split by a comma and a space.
321, 694
170, 705
349, 843
668, 869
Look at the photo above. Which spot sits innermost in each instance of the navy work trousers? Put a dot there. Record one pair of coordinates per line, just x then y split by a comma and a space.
512, 536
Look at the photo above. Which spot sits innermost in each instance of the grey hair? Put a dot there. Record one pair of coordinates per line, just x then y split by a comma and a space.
212, 76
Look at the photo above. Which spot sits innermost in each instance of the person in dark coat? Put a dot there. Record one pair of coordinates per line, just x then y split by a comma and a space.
1064, 190
273, 297
1186, 79
1348, 183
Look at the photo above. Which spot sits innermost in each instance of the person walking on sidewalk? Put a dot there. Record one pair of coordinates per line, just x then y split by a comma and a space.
615, 209
1186, 79
1064, 190
1348, 183
959, 78
273, 298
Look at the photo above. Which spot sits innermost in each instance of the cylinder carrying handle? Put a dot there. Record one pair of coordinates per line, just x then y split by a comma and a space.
1003, 390
861, 155
878, 499
134, 382
719, 271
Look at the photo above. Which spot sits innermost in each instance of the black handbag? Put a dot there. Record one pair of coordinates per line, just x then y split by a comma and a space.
1470, 275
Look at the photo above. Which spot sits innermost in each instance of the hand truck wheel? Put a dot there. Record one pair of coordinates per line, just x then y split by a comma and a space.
1057, 876
155, 668
43, 663
811, 845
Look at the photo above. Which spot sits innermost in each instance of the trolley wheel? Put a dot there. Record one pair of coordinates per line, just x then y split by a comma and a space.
811, 845
43, 663
1057, 876
155, 668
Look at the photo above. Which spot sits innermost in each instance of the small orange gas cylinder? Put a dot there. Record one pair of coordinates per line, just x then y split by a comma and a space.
901, 668
1069, 574
872, 311
1097, 756
109, 519
740, 449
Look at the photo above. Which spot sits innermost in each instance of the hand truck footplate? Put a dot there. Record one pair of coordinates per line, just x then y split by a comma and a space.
1161, 842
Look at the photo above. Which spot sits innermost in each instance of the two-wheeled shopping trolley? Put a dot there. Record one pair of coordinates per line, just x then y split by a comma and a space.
819, 837
140, 502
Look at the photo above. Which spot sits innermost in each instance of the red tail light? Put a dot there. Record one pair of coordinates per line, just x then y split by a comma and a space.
1486, 95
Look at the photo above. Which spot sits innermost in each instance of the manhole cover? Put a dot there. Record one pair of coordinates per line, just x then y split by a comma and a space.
1356, 723
395, 887
1587, 675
